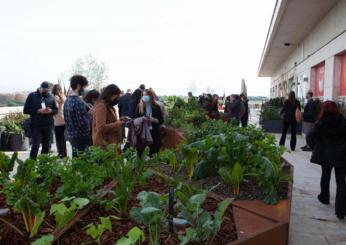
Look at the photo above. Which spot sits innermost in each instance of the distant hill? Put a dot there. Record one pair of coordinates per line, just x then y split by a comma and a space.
13, 99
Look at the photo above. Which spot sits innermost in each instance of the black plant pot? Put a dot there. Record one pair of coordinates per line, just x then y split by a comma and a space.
275, 126
5, 141
18, 142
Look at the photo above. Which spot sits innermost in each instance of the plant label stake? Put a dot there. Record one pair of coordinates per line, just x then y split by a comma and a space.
170, 208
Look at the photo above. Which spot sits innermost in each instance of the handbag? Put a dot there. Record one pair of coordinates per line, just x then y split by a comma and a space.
298, 115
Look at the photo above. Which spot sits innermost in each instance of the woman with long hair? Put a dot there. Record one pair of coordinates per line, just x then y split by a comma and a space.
150, 109
106, 127
289, 119
327, 140
59, 122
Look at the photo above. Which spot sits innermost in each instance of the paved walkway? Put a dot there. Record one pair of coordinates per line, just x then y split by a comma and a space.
311, 222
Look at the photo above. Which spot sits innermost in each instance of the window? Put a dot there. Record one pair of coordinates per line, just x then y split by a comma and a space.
318, 78
343, 75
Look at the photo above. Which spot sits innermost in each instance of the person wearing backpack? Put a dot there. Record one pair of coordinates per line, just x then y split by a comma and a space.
289, 113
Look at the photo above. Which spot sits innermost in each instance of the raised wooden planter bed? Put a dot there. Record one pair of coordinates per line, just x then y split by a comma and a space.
257, 222
275, 126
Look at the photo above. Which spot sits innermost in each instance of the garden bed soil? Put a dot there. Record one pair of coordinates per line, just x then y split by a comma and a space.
249, 189
76, 234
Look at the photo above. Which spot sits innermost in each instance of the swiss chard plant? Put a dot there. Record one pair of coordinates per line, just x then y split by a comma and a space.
28, 195
190, 159
233, 176
150, 214
6, 165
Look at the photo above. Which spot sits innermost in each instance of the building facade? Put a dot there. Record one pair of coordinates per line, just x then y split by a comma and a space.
306, 49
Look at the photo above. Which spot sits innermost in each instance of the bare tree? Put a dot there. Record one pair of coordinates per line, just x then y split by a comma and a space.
95, 71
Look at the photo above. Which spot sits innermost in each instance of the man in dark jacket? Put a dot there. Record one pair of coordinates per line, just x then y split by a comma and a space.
124, 104
234, 109
41, 107
309, 117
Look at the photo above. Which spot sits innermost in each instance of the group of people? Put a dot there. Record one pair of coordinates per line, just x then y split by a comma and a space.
326, 137
236, 107
87, 118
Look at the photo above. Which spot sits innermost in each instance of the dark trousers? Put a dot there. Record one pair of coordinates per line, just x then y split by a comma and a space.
40, 135
80, 145
340, 175
60, 140
244, 122
285, 127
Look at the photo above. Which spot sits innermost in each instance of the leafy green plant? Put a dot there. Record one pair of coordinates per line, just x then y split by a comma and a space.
12, 123
96, 231
190, 159
44, 240
27, 195
203, 225
233, 177
169, 156
270, 176
66, 209
134, 236
6, 165
150, 214
124, 174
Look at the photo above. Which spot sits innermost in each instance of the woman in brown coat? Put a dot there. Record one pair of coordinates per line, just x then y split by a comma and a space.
106, 127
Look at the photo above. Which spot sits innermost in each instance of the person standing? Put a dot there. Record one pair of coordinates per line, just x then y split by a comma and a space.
328, 142
77, 118
309, 117
59, 122
135, 99
245, 117
41, 107
289, 119
107, 128
149, 108
233, 109
124, 104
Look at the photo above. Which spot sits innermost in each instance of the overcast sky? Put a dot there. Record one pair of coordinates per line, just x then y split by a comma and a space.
166, 44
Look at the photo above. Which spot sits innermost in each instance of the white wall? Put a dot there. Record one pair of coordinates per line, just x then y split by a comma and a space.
322, 44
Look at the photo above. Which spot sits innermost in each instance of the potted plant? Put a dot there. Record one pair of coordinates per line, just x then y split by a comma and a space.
12, 137
270, 118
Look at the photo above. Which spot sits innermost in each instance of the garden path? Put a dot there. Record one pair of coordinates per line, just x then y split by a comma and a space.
311, 222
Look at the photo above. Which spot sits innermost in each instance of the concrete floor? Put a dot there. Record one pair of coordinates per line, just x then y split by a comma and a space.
311, 222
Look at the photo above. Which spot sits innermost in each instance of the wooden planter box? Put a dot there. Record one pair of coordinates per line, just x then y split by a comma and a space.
171, 137
256, 222
275, 126
259, 223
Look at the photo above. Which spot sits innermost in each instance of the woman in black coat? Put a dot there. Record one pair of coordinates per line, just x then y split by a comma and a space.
328, 142
289, 119
149, 108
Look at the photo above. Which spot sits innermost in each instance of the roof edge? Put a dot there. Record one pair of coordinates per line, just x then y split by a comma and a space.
274, 23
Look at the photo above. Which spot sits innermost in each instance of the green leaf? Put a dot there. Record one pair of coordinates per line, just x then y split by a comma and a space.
44, 240
136, 235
